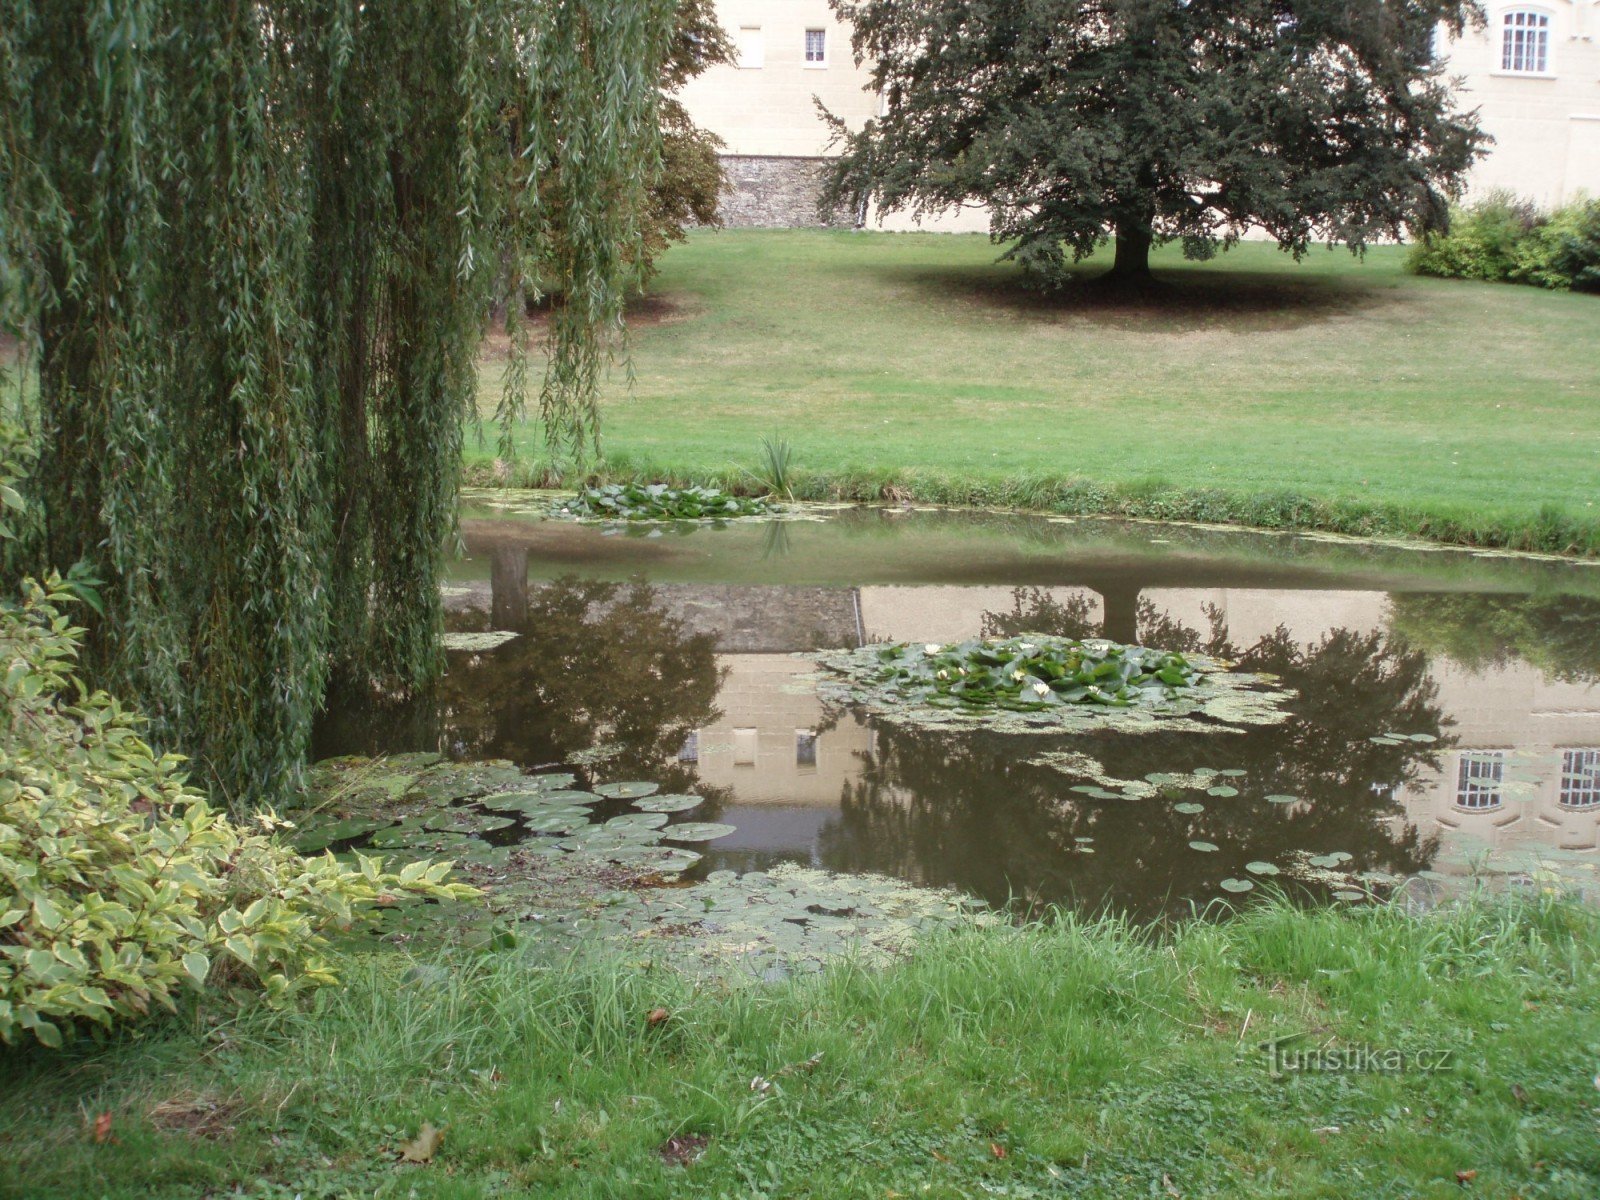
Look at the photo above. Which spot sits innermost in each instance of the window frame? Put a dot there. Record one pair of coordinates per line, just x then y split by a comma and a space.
1465, 762
1573, 760
1504, 56
806, 60
743, 62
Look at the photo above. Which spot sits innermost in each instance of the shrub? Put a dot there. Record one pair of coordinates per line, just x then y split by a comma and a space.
1564, 251
1481, 243
1503, 239
119, 884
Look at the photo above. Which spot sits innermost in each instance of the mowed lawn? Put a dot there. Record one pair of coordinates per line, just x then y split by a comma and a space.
1336, 378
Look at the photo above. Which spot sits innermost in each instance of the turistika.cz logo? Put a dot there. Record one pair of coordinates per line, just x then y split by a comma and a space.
1290, 1055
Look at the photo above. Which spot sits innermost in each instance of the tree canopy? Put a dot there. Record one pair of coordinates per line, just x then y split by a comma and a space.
251, 248
1159, 120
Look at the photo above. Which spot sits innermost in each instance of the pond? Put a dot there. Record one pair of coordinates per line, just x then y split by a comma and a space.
1444, 722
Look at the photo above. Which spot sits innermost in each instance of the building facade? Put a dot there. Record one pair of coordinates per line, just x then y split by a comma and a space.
1532, 72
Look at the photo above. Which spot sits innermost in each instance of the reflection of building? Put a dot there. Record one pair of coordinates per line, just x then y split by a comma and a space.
1518, 733
1522, 772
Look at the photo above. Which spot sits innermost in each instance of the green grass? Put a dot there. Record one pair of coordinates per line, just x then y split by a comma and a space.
1334, 393
1079, 1059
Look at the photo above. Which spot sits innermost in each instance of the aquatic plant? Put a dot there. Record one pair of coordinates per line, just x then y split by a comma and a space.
1027, 675
1036, 683
659, 502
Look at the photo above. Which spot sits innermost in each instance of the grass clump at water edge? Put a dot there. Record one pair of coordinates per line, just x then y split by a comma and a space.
1078, 1057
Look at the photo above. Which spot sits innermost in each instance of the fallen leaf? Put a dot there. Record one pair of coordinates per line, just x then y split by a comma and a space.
996, 1149
658, 1016
425, 1145
102, 1129
1465, 1177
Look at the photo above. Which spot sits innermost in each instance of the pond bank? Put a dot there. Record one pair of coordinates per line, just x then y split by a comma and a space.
1083, 1058
1550, 530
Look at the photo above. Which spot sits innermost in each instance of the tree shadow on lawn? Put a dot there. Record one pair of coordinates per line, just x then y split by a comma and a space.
1187, 299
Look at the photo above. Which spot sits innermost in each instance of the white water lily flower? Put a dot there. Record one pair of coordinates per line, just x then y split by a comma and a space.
961, 670
1042, 688
1019, 676
942, 675
1025, 646
931, 648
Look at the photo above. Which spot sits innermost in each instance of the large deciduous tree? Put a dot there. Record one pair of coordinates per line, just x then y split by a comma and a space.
1156, 120
252, 246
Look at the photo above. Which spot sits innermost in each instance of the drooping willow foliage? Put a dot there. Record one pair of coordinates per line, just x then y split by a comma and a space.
251, 247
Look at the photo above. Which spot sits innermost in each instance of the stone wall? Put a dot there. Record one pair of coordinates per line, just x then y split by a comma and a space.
775, 192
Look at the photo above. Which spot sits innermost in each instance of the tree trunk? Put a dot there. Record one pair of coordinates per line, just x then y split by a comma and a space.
1132, 264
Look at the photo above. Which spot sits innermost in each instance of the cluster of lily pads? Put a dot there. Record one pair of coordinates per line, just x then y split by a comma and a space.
1028, 674
659, 502
419, 805
1044, 682
553, 866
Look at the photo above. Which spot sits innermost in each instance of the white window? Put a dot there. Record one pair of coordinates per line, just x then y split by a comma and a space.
1580, 779
752, 46
1525, 43
1480, 780
689, 752
816, 47
745, 742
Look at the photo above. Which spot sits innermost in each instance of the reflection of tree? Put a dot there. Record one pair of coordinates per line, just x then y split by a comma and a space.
595, 663
966, 810
1556, 634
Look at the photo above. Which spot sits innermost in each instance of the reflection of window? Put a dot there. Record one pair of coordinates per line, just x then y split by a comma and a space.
689, 752
1480, 778
752, 46
1525, 43
744, 747
1580, 779
805, 749
816, 47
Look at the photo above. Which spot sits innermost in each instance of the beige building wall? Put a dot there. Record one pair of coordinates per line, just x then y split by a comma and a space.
1546, 123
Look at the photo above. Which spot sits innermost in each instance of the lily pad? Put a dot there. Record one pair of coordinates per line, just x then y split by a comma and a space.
1237, 885
1329, 861
1189, 807
670, 803
477, 643
558, 821
1282, 799
466, 820
1204, 847
314, 837
1260, 868
1222, 790
697, 831
637, 820
626, 791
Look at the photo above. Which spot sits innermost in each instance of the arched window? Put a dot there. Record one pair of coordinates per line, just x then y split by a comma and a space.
1525, 42
1480, 780
1580, 779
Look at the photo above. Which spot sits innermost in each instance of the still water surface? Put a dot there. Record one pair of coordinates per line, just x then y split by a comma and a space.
680, 652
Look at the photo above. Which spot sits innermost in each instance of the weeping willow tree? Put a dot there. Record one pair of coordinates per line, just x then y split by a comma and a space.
250, 248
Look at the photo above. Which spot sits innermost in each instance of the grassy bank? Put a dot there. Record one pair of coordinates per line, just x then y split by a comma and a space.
1336, 394
1073, 1060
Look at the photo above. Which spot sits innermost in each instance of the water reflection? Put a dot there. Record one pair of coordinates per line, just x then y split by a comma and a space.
698, 680
595, 665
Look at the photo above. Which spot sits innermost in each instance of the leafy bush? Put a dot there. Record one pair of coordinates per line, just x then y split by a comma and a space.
119, 884
659, 502
1502, 239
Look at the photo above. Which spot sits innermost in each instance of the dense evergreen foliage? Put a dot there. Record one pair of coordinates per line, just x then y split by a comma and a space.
252, 246
1181, 119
